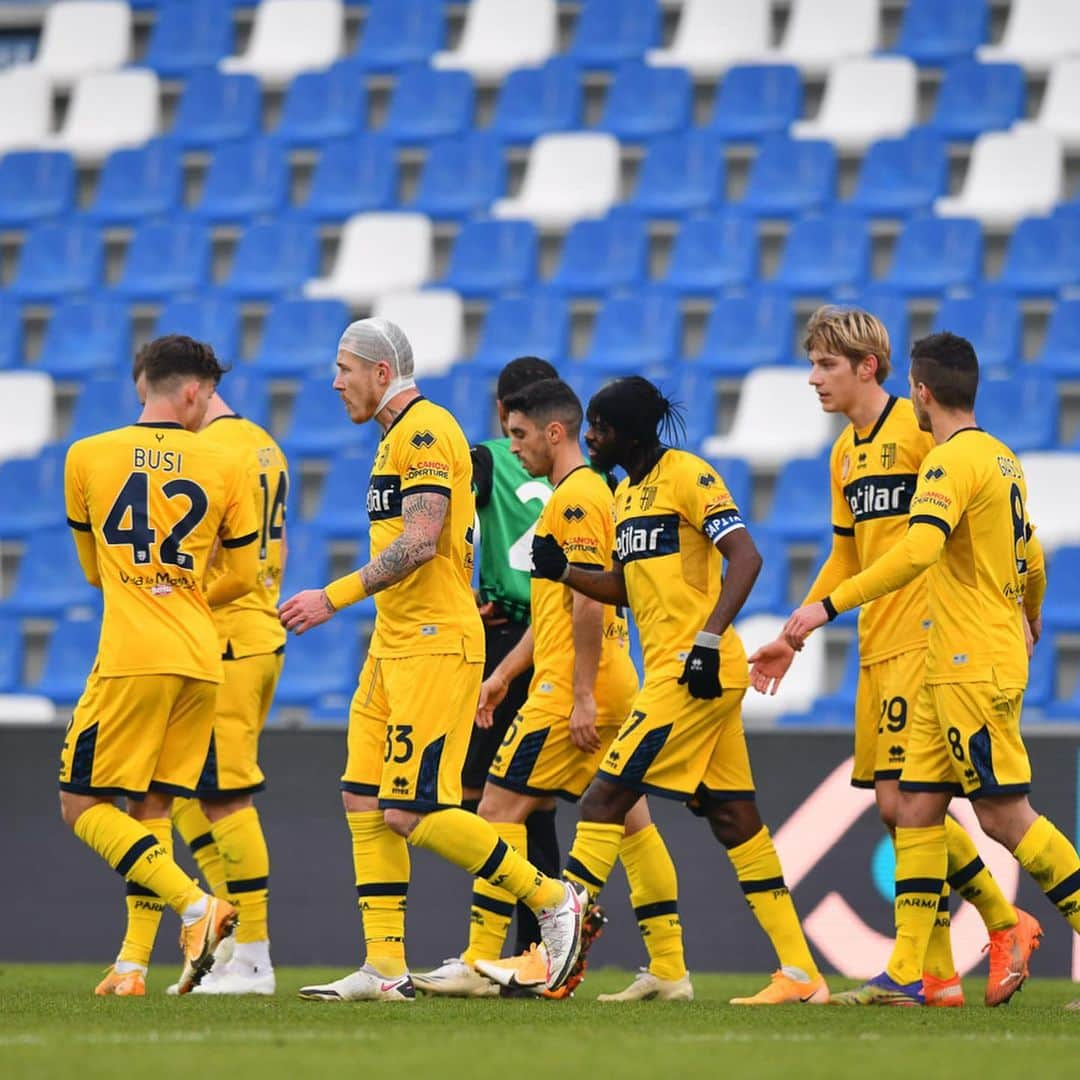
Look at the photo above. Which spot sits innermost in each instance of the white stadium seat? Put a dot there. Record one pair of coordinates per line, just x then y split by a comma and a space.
291, 36
501, 35
1059, 111
804, 681
25, 108
821, 32
83, 36
378, 254
1051, 510
109, 111
1012, 175
434, 323
1037, 32
775, 419
20, 709
567, 177
711, 35
865, 100
26, 413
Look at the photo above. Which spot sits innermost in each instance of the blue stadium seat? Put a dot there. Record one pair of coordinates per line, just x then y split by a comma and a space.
611, 31
58, 260
273, 258
165, 258
825, 253
713, 252
737, 479
1043, 256
300, 337
1066, 709
11, 335
603, 254
217, 108
891, 308
932, 33
213, 318
490, 257
469, 393
585, 382
31, 488
322, 105
321, 662
400, 32
681, 173
188, 35
69, 657
902, 176
246, 178
800, 513
791, 177
1061, 606
11, 656
695, 391
755, 100
427, 104
845, 694
87, 337
50, 581
102, 404
823, 714
139, 182
636, 332
248, 394
536, 101
990, 319
536, 324
461, 176
320, 427
35, 185
645, 101
748, 331
354, 174
769, 594
342, 510
1060, 354
1023, 410
978, 97
935, 254
1042, 671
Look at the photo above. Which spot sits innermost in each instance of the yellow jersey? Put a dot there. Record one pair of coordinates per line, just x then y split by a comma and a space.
580, 515
250, 625
666, 528
156, 498
873, 477
432, 610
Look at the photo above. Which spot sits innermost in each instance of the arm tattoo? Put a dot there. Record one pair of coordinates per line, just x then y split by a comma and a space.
422, 516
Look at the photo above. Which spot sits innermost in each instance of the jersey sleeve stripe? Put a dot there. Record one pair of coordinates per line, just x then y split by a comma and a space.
240, 541
930, 519
81, 526
426, 489
842, 530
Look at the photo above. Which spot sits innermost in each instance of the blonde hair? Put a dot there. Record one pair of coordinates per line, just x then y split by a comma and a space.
849, 332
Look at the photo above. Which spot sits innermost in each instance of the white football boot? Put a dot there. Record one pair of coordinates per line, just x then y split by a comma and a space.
363, 985
455, 978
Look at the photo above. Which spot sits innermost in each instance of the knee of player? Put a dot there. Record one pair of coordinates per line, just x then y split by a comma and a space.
70, 809
401, 821
1004, 820
734, 821
604, 802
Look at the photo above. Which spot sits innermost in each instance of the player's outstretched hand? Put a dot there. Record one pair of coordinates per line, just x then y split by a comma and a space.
304, 610
801, 622
492, 690
583, 725
769, 665
701, 672
549, 559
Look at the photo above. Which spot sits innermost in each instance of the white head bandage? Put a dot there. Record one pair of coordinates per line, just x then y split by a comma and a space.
381, 341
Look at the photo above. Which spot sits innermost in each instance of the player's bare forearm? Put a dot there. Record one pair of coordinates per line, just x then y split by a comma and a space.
422, 518
587, 623
743, 567
518, 659
607, 586
238, 572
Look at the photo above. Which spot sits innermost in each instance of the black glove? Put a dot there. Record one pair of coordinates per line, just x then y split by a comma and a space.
701, 672
549, 560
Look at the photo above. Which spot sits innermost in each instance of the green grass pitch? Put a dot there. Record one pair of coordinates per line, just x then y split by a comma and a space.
52, 1026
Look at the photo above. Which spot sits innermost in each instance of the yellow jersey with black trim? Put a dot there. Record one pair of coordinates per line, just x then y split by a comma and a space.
157, 499
580, 515
666, 529
874, 472
250, 625
432, 610
972, 488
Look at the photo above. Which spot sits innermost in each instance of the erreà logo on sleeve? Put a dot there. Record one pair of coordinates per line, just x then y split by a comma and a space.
422, 440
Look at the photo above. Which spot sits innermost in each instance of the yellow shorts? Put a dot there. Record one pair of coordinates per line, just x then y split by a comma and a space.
965, 739
136, 733
883, 702
679, 747
243, 704
409, 727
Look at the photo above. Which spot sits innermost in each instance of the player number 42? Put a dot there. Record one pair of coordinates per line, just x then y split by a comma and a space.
128, 521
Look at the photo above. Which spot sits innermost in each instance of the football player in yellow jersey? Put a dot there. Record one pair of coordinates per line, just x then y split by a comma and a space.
148, 503
581, 690
413, 711
968, 530
874, 468
683, 738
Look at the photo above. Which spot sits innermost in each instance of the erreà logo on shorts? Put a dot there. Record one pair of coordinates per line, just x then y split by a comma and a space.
647, 537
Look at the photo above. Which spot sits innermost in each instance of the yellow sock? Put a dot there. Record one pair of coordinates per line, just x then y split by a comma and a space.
492, 906
921, 862
242, 847
194, 829
969, 877
1054, 864
593, 855
382, 867
654, 892
473, 844
939, 957
144, 908
136, 854
762, 879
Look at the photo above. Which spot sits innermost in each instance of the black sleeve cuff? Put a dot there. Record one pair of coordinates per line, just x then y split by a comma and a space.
831, 611
240, 541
